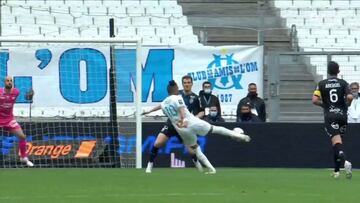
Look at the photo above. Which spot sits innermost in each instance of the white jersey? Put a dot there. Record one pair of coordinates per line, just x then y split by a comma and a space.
171, 108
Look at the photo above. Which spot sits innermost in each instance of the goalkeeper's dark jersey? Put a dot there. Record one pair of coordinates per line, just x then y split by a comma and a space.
333, 93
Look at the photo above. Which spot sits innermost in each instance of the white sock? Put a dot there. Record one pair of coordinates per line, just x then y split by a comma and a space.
223, 131
203, 159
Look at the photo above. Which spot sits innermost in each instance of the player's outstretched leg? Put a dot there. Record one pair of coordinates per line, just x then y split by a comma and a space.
237, 133
201, 156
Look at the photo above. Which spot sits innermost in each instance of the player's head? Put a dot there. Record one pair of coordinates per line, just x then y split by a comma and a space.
187, 83
172, 88
213, 111
8, 82
354, 87
333, 68
245, 109
206, 87
252, 89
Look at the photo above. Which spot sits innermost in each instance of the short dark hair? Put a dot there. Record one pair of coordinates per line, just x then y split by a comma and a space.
246, 105
354, 83
186, 77
251, 84
206, 82
333, 68
172, 84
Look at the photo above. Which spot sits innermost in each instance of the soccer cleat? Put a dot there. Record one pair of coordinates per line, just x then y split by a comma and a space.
335, 175
149, 167
26, 161
348, 169
198, 166
240, 136
211, 171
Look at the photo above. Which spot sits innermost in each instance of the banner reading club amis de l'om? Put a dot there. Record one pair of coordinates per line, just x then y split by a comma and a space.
74, 80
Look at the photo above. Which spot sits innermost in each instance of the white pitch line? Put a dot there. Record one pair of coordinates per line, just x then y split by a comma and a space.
108, 195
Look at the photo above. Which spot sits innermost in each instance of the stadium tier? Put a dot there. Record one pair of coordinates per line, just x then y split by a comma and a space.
155, 22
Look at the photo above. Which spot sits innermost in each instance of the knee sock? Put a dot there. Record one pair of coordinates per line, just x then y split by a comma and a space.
223, 131
339, 156
22, 148
153, 154
203, 158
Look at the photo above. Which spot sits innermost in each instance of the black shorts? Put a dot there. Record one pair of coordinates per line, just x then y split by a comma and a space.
335, 124
169, 130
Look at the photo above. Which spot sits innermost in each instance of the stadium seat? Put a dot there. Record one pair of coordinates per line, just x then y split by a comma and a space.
140, 21
170, 40
155, 11
24, 20
146, 31
159, 21
184, 30
164, 31
118, 11
44, 20
10, 30
125, 31
97, 10
127, 3
135, 10
112, 3
168, 3
173, 11
189, 39
150, 40
148, 3
178, 21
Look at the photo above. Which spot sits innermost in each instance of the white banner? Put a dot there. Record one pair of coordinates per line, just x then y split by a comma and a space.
74, 81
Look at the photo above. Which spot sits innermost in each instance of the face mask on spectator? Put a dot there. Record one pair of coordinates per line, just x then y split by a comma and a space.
253, 94
213, 113
246, 115
207, 91
355, 94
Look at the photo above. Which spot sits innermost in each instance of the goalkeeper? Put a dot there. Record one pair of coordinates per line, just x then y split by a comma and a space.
8, 96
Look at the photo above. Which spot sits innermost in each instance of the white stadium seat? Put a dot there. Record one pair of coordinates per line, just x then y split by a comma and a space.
154, 11
140, 21
135, 10
178, 21
159, 21
118, 11
165, 31
146, 31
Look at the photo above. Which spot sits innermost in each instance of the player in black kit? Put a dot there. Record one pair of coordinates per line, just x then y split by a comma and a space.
333, 95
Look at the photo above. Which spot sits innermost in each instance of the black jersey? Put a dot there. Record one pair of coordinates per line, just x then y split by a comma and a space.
333, 92
192, 102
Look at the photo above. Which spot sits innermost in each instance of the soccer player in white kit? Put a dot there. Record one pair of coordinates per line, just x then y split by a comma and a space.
189, 126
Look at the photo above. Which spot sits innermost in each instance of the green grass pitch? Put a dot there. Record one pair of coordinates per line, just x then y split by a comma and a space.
176, 185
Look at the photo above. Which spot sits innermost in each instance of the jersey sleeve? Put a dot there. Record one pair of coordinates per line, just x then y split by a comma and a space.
179, 102
347, 88
16, 92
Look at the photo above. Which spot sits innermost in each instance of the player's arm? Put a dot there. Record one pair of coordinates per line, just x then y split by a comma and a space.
349, 96
183, 121
316, 98
156, 108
